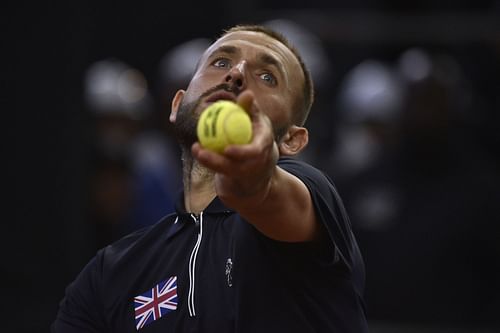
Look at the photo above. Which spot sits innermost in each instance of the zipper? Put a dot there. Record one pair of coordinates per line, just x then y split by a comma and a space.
198, 220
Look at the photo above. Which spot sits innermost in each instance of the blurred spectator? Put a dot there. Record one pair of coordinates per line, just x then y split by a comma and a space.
135, 174
420, 191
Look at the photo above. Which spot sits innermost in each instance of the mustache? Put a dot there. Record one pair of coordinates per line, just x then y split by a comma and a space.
223, 86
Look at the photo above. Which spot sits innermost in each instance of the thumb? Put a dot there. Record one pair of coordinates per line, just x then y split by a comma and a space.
245, 100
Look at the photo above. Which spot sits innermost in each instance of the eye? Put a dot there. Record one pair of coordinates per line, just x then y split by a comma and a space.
268, 78
222, 63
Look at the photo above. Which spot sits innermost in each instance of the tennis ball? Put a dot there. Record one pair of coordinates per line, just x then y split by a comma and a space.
223, 123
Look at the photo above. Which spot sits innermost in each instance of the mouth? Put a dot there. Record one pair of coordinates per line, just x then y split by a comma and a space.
221, 95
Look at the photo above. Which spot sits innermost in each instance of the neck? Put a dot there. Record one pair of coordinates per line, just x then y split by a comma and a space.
198, 181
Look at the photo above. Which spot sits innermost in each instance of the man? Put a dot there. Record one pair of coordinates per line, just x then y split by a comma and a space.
260, 242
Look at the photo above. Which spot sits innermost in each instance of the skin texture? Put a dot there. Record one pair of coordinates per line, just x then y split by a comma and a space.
265, 78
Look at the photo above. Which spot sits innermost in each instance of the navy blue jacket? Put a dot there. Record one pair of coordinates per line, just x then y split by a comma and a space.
216, 273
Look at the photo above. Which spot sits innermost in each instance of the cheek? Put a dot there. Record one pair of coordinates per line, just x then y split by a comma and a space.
198, 86
202, 81
276, 109
193, 92
192, 95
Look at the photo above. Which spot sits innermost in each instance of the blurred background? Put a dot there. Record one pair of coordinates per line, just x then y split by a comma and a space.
406, 123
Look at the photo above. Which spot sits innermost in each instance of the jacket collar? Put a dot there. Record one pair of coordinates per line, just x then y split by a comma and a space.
215, 206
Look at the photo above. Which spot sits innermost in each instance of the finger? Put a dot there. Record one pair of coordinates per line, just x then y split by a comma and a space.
241, 152
212, 160
195, 148
260, 145
246, 100
231, 152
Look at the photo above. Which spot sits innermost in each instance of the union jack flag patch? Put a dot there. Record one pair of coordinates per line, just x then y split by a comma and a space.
156, 302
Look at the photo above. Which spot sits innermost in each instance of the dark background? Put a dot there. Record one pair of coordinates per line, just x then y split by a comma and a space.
432, 264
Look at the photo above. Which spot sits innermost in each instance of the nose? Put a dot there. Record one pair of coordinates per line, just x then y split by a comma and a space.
236, 75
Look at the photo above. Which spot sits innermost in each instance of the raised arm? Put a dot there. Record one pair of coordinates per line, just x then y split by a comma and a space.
248, 179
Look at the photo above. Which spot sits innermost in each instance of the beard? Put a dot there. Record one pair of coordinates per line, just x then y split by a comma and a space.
187, 118
185, 124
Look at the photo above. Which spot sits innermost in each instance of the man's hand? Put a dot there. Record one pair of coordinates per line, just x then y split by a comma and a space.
243, 172
248, 180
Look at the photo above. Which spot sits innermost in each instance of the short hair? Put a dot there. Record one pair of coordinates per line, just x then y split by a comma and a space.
301, 113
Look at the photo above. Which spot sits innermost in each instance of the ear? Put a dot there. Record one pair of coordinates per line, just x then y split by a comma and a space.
179, 96
295, 139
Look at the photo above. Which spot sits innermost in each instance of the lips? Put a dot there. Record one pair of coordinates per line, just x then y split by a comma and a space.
221, 95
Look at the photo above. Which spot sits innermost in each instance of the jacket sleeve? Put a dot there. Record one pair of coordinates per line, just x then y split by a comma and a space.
81, 309
330, 212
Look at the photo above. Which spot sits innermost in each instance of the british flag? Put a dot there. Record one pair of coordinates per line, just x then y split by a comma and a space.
156, 302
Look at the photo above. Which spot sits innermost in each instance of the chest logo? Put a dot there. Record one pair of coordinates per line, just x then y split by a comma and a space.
156, 302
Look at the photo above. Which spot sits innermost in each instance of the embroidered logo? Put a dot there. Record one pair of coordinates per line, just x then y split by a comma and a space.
229, 272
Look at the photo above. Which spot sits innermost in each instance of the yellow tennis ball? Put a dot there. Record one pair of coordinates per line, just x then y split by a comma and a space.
223, 123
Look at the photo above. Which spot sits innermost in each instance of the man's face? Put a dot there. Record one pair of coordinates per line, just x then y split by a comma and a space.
236, 62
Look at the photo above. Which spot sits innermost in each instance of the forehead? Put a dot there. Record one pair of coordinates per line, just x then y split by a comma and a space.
253, 42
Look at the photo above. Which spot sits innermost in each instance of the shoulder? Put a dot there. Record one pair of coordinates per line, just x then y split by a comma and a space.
136, 244
329, 209
295, 165
99, 285
327, 202
304, 171
319, 184
140, 241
